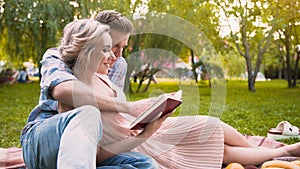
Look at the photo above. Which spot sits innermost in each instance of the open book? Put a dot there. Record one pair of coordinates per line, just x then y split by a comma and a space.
165, 104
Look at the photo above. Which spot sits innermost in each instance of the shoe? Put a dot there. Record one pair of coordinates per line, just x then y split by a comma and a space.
284, 130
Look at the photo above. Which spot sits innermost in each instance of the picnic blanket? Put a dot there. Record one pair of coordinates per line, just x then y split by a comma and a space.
11, 158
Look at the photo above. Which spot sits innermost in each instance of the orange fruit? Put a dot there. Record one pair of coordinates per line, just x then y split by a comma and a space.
234, 166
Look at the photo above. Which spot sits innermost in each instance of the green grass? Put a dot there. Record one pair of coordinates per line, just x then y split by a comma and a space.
16, 102
250, 113
254, 113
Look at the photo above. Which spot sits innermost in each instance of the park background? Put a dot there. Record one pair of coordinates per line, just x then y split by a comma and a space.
249, 37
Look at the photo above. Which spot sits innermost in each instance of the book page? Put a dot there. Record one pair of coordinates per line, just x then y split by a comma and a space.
166, 104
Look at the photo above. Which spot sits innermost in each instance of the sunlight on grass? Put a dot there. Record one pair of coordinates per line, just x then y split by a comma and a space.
250, 113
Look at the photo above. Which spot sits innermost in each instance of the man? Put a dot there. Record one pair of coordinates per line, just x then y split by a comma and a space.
59, 84
121, 29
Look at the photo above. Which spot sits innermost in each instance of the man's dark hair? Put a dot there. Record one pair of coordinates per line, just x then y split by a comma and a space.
115, 20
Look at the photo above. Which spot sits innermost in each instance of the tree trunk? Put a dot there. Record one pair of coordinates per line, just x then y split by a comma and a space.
288, 64
296, 69
147, 86
251, 85
251, 79
280, 72
141, 80
247, 56
193, 65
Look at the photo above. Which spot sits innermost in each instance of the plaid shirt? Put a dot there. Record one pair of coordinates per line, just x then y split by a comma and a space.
117, 73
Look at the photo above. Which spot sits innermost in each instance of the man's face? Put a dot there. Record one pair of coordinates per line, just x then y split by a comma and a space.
119, 41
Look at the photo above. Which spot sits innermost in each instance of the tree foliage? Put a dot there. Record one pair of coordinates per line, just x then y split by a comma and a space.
257, 21
30, 27
201, 14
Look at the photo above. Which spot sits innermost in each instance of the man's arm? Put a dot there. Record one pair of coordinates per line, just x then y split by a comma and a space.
59, 83
75, 93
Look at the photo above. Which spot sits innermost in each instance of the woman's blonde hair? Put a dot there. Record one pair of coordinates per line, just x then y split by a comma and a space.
77, 46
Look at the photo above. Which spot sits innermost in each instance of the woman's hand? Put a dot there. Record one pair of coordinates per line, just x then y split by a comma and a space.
138, 107
109, 150
153, 126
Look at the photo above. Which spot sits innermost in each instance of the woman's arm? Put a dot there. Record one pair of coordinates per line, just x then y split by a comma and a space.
130, 143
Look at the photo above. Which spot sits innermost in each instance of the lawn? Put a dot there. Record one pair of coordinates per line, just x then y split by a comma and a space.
250, 113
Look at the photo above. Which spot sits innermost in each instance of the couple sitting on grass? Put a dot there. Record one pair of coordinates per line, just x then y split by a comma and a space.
82, 120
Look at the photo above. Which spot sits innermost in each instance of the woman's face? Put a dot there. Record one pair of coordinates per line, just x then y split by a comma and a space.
104, 50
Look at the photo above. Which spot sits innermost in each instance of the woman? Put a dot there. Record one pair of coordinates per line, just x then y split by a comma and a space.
69, 138
180, 142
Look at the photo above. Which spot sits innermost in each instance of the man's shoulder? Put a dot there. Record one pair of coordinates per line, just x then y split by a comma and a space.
121, 61
51, 52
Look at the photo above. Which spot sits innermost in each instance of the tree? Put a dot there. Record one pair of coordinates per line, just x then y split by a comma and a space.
201, 14
32, 26
273, 62
257, 23
156, 52
288, 34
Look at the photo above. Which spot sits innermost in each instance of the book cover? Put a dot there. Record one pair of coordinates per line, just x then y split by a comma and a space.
166, 104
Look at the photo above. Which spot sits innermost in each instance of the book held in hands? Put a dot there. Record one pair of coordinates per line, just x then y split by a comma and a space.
165, 104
